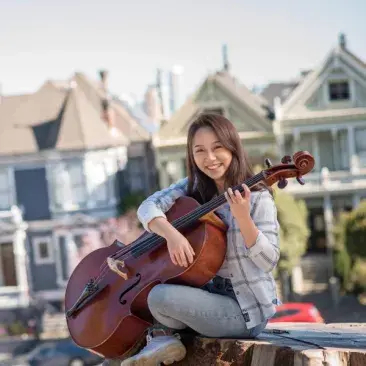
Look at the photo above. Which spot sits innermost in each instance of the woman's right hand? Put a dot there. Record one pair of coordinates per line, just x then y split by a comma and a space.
181, 252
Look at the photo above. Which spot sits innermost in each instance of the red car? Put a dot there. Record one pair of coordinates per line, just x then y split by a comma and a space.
297, 313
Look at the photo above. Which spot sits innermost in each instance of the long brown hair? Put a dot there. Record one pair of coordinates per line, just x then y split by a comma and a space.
202, 187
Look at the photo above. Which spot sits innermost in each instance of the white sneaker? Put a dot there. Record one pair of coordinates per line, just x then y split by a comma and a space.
159, 349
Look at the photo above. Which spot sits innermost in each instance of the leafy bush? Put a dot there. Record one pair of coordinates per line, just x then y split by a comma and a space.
341, 258
294, 231
350, 249
130, 201
355, 231
358, 276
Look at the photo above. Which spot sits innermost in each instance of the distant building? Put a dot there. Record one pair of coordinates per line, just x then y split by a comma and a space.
325, 114
176, 97
68, 154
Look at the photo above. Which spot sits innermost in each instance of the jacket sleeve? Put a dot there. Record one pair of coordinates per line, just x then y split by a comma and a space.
265, 253
160, 202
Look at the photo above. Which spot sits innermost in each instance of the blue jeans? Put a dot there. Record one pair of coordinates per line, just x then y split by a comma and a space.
212, 311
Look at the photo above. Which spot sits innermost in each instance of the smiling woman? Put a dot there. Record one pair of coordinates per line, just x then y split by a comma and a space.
241, 298
216, 158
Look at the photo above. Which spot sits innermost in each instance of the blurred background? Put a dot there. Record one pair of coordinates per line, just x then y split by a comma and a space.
95, 102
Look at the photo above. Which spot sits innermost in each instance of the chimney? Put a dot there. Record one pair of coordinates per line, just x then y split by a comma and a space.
225, 58
103, 78
175, 88
152, 104
342, 41
107, 113
163, 92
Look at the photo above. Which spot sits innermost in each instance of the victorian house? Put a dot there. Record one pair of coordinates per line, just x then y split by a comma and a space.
221, 93
322, 111
325, 114
68, 153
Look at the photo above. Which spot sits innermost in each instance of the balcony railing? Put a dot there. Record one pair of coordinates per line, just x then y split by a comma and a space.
326, 181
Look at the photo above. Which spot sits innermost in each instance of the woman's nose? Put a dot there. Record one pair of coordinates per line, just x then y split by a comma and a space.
211, 156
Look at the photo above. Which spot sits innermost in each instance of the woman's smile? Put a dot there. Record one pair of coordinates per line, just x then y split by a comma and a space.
214, 167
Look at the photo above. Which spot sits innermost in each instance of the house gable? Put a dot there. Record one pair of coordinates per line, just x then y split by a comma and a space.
338, 84
218, 93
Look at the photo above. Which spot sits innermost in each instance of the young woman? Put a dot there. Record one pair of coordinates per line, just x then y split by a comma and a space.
241, 298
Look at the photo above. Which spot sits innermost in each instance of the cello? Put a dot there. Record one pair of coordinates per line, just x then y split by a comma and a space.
106, 295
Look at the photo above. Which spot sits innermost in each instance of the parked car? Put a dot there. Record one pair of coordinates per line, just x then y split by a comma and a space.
297, 312
62, 352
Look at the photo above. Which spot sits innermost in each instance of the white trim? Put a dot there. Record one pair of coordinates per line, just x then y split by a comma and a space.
69, 236
323, 127
36, 241
65, 221
52, 295
346, 103
313, 81
248, 135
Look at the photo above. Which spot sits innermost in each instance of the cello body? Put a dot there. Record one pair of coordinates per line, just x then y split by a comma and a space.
115, 321
106, 295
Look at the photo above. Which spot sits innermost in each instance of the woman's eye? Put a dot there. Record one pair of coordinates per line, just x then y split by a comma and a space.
217, 147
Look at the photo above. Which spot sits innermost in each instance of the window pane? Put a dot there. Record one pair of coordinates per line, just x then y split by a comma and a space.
5, 200
76, 173
135, 165
4, 180
97, 180
43, 250
78, 194
339, 90
136, 183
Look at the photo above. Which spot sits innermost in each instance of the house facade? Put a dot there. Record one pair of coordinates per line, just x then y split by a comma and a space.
220, 93
68, 154
323, 111
325, 114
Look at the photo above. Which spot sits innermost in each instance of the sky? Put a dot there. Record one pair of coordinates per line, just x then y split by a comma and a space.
268, 40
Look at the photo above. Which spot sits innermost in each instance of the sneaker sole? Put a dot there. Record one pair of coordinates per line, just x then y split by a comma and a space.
172, 353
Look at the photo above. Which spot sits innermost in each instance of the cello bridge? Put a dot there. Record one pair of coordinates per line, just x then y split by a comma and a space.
115, 266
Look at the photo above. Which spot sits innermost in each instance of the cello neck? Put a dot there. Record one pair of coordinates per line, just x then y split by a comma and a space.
213, 204
152, 240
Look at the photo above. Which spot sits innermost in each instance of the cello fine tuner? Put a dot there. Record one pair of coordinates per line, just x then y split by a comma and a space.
113, 265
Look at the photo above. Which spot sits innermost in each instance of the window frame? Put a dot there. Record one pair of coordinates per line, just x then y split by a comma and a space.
339, 82
36, 241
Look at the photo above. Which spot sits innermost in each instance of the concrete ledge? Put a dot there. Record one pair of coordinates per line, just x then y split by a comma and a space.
286, 344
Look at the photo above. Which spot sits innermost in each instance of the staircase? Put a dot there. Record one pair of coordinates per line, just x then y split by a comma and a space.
316, 269
54, 326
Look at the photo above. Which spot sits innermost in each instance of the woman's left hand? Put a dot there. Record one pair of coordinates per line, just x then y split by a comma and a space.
239, 205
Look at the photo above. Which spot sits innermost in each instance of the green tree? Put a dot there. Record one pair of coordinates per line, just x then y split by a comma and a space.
294, 231
130, 202
350, 249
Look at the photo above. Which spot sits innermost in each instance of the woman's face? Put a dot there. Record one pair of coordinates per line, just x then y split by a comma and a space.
210, 156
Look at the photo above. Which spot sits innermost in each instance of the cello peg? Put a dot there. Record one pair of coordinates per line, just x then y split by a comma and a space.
286, 159
300, 179
282, 183
268, 163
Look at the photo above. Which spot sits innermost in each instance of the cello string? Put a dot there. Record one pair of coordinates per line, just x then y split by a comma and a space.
154, 239
178, 223
182, 221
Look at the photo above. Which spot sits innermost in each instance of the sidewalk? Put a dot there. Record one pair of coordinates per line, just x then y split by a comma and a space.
349, 310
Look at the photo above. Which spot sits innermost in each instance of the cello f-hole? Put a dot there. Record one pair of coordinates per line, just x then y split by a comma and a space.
138, 279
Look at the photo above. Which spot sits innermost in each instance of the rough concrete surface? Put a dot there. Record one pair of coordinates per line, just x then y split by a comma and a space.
301, 344
281, 344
